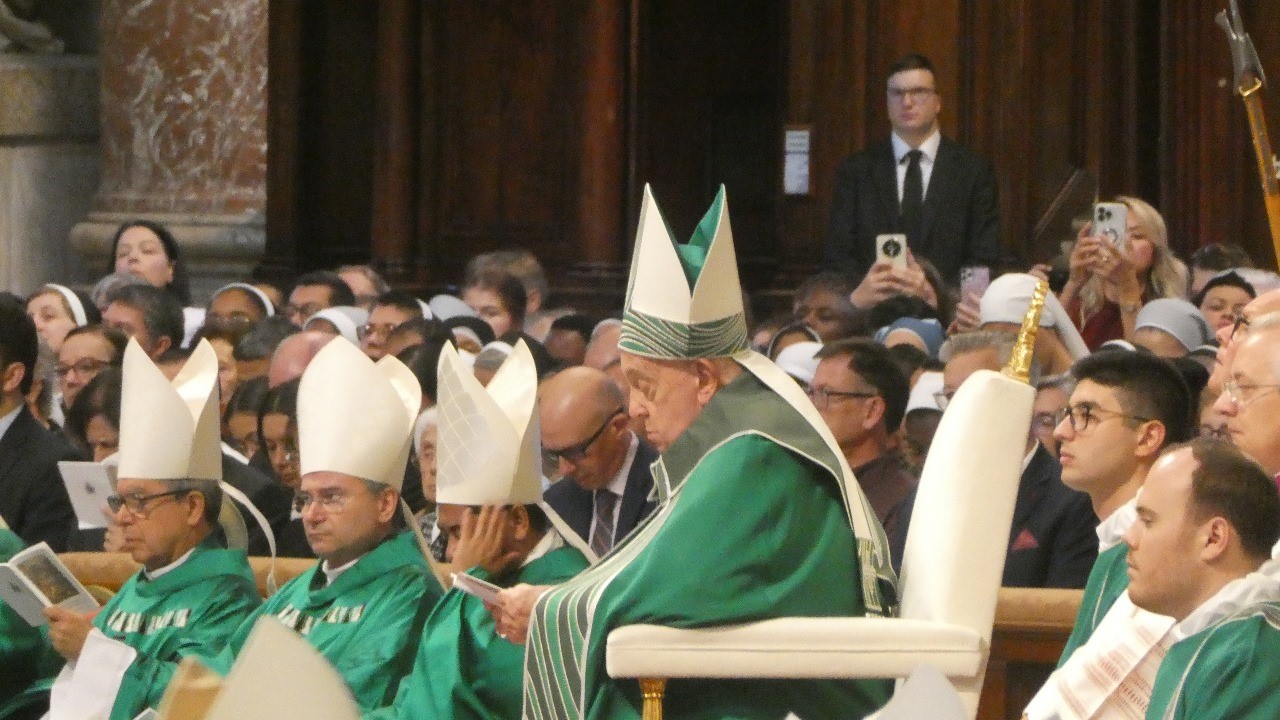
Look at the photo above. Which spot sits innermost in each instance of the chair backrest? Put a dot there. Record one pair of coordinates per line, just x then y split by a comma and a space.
953, 561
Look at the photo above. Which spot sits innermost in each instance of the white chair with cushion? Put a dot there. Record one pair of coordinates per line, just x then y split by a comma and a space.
951, 571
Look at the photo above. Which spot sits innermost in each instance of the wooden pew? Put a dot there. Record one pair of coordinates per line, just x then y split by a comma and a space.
110, 570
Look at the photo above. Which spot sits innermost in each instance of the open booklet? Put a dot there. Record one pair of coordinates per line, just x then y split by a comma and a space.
88, 485
35, 579
472, 585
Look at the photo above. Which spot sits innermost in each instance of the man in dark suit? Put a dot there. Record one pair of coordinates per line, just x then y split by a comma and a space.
33, 500
606, 485
939, 193
1051, 540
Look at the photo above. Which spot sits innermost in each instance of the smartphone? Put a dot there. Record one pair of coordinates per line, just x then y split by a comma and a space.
974, 281
1111, 221
892, 248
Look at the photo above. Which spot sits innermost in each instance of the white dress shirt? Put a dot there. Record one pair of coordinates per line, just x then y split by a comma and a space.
928, 153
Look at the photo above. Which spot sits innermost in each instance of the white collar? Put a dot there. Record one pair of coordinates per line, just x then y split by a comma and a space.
928, 149
7, 421
160, 572
333, 573
1261, 585
618, 485
1026, 459
551, 540
1111, 531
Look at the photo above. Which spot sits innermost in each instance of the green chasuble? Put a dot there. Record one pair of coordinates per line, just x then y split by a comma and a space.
752, 527
1107, 580
1228, 670
367, 623
463, 669
20, 644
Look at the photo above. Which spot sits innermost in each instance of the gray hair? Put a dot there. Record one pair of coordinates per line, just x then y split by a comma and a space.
211, 491
1062, 381
261, 341
380, 285
977, 341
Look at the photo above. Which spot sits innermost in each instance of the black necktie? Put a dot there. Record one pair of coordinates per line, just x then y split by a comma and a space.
912, 197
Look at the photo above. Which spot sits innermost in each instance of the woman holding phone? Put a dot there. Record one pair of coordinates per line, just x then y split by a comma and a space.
1110, 280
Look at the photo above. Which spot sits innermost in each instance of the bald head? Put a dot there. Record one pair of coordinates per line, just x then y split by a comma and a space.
582, 416
1267, 302
602, 352
293, 355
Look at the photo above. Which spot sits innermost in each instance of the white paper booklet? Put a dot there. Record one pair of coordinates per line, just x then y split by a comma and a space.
35, 579
88, 484
473, 585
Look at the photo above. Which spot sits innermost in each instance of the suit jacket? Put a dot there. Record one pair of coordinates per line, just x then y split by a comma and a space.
1052, 543
271, 499
33, 500
959, 224
577, 506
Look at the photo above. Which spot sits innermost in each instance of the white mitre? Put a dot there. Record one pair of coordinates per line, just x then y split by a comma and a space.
356, 416
684, 301
487, 443
169, 430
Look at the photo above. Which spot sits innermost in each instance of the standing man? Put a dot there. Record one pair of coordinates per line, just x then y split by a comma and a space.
939, 193
606, 485
756, 503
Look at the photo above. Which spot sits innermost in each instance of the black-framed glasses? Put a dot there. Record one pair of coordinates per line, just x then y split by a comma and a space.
821, 396
1237, 322
380, 329
915, 93
137, 504
576, 453
1083, 415
82, 367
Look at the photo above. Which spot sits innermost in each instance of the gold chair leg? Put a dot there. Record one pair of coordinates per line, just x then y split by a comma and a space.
652, 690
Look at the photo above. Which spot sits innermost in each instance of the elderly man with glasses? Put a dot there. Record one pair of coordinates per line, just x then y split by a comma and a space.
1250, 399
364, 604
1051, 542
191, 592
587, 441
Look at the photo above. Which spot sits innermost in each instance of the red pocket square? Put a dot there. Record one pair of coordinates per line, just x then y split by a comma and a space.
1025, 541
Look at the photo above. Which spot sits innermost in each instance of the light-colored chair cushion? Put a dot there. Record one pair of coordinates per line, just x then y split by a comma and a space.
795, 648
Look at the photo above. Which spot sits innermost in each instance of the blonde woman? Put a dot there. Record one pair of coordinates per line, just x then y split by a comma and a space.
1109, 284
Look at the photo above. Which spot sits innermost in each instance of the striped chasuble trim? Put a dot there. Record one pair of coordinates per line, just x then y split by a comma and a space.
653, 336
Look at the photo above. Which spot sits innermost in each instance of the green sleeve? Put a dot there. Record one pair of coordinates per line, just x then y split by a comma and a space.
21, 645
1107, 581
1235, 679
233, 599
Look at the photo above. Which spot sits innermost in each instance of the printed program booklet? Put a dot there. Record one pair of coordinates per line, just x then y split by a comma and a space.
35, 579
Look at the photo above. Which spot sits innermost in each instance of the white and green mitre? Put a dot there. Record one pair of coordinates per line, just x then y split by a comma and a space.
487, 445
684, 301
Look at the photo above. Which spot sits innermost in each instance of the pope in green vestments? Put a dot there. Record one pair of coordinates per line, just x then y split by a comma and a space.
367, 622
20, 644
759, 514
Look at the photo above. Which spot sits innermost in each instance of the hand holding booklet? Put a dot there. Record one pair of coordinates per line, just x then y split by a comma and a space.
472, 585
35, 579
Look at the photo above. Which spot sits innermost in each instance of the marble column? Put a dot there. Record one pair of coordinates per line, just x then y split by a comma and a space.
184, 117
48, 164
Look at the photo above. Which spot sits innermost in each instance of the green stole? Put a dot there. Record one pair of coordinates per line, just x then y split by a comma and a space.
757, 499
20, 644
367, 622
1227, 670
191, 610
1108, 579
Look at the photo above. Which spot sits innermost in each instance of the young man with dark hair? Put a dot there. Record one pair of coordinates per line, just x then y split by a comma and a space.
391, 310
33, 500
1126, 407
939, 193
147, 313
862, 395
568, 339
314, 292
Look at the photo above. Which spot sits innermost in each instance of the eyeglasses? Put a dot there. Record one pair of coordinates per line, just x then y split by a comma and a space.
577, 453
1044, 421
379, 329
1242, 395
916, 93
82, 367
1238, 322
302, 311
943, 398
822, 396
1083, 415
137, 504
331, 500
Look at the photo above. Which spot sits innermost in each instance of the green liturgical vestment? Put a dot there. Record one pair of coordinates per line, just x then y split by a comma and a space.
752, 526
1108, 579
20, 644
463, 669
1226, 671
367, 623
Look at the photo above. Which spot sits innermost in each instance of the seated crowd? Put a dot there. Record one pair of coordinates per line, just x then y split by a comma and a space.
591, 467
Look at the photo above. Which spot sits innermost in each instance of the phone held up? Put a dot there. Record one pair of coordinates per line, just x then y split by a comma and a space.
1111, 222
892, 248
